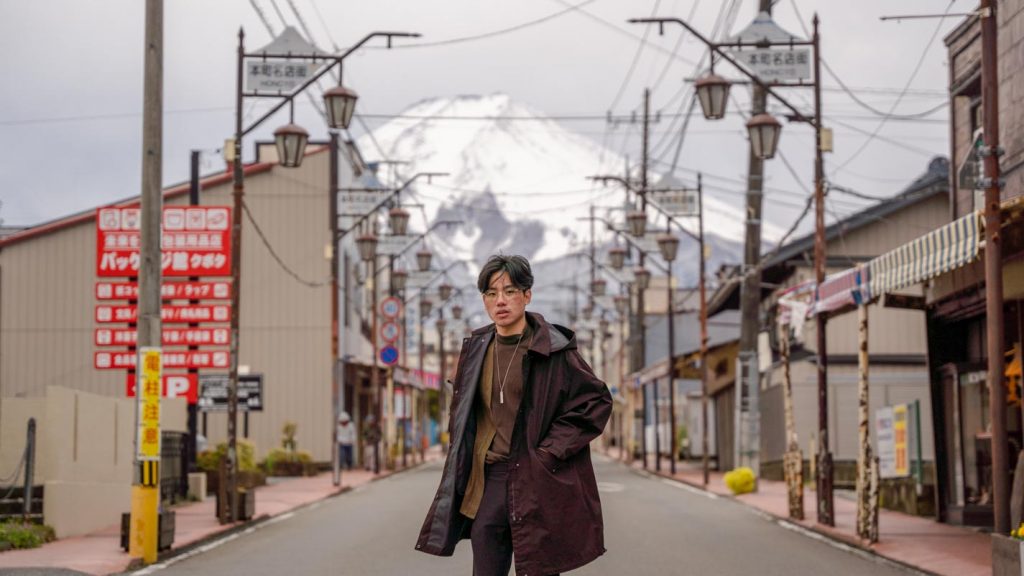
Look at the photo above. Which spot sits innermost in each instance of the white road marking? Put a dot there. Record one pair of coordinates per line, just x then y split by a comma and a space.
684, 486
845, 547
610, 487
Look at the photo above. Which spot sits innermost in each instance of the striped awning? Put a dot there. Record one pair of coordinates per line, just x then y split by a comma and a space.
843, 289
952, 246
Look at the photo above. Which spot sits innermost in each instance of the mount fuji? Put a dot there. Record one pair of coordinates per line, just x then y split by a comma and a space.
518, 184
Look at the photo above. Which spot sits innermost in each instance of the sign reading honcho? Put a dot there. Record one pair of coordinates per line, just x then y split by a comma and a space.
195, 241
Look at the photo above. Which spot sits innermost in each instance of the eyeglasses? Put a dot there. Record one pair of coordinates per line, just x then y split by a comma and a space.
510, 293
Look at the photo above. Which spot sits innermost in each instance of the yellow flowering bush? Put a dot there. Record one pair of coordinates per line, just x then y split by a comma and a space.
1018, 532
741, 480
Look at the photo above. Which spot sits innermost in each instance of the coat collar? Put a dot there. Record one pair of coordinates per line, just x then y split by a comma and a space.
547, 338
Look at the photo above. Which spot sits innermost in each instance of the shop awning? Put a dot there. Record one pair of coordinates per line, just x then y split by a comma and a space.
941, 250
842, 290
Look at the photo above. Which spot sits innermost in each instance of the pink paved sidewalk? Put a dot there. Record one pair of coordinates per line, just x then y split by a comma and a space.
100, 552
911, 540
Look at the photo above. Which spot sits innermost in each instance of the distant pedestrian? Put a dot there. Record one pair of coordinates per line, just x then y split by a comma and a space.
346, 438
371, 443
518, 480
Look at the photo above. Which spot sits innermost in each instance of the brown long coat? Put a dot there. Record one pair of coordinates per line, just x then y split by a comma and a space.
554, 509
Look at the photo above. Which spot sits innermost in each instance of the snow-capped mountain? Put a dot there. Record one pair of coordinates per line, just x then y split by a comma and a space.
518, 182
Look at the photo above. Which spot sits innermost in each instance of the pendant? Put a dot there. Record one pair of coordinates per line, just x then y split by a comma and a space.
501, 396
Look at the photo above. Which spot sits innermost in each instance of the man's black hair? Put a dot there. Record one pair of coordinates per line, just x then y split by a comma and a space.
517, 268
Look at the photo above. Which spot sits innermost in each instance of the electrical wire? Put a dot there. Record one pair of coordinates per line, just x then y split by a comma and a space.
636, 58
276, 257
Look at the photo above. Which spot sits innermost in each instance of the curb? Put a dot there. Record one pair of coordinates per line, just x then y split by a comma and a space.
847, 545
136, 563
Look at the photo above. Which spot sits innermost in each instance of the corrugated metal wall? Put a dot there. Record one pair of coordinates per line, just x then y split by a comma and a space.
47, 302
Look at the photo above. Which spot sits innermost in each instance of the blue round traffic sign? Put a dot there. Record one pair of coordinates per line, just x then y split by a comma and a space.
389, 355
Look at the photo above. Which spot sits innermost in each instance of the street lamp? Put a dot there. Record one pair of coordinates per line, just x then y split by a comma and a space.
457, 312
444, 292
399, 220
597, 287
617, 257
766, 136
764, 132
637, 223
367, 244
588, 312
340, 103
621, 304
643, 278
290, 141
425, 307
713, 93
423, 258
399, 279
669, 245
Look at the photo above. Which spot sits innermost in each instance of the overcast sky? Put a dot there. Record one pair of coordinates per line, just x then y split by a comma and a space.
70, 109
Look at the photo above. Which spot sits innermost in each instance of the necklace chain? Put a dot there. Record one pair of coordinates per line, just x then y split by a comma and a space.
501, 385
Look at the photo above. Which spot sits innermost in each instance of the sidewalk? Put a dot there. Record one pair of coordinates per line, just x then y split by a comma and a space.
915, 541
100, 553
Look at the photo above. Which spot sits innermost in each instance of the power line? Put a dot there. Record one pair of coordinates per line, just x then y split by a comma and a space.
636, 58
275, 256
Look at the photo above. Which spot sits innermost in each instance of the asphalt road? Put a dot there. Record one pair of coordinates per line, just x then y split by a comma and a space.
652, 526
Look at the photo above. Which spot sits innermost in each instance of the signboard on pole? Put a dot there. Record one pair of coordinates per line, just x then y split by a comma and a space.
892, 425
106, 314
169, 336
776, 64
272, 76
194, 241
213, 392
168, 290
190, 359
389, 355
360, 202
389, 331
174, 386
147, 443
390, 307
392, 245
678, 203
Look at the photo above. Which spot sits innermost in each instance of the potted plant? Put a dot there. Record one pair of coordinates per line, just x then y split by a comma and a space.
1006, 552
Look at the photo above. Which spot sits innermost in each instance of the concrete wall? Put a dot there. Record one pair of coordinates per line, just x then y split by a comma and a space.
84, 451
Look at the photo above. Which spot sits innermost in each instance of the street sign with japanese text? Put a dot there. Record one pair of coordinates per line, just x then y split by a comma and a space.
213, 393
168, 290
174, 386
195, 241
183, 359
107, 314
776, 64
266, 76
360, 202
148, 441
392, 245
169, 336
678, 203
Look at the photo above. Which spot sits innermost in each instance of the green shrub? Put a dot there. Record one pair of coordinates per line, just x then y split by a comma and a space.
209, 460
741, 480
20, 535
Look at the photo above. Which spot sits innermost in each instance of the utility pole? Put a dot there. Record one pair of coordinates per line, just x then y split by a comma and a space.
824, 481
336, 391
748, 424
994, 263
639, 352
143, 535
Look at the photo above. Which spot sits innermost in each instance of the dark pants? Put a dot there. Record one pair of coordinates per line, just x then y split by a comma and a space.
491, 534
345, 456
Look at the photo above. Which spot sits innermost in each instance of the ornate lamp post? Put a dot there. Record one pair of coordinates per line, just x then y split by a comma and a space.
291, 142
764, 134
669, 246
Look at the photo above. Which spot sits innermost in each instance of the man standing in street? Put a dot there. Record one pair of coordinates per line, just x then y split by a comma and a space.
346, 438
518, 480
